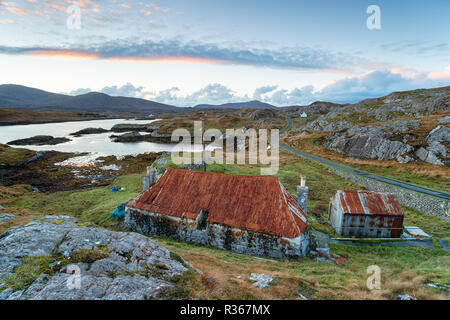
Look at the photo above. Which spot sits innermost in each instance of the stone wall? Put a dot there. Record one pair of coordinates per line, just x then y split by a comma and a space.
222, 237
426, 204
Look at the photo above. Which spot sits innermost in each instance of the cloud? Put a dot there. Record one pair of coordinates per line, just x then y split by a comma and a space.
194, 51
348, 90
437, 75
214, 93
354, 89
79, 91
18, 11
259, 92
159, 8
127, 90
417, 47
6, 21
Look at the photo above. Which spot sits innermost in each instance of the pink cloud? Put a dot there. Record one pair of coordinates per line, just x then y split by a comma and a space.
18, 11
146, 12
6, 21
158, 8
440, 75
404, 72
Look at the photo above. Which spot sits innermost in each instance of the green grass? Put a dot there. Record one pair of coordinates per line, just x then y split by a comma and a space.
89, 255
9, 155
429, 224
430, 264
315, 279
93, 205
29, 271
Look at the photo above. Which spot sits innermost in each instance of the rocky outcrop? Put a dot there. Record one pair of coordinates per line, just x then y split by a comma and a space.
111, 265
374, 142
367, 146
127, 137
137, 137
436, 148
5, 217
375, 129
89, 131
262, 114
39, 141
133, 127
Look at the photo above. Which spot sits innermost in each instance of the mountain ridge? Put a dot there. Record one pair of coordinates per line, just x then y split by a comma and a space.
253, 104
22, 97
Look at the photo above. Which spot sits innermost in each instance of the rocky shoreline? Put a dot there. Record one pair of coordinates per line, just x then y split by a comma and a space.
52, 171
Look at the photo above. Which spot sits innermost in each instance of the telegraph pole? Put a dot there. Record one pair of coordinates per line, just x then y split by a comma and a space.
204, 147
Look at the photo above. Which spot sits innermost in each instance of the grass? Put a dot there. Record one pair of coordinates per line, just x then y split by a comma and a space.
32, 116
225, 274
32, 267
430, 224
9, 155
89, 255
92, 205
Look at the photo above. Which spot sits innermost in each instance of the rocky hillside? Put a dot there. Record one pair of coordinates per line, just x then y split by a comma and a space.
405, 126
37, 261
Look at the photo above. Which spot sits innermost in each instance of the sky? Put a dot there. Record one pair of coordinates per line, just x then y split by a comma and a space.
187, 52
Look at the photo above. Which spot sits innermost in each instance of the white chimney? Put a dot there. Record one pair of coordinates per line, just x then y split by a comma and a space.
149, 179
302, 195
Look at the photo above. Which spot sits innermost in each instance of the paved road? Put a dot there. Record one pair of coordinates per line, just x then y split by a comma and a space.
393, 182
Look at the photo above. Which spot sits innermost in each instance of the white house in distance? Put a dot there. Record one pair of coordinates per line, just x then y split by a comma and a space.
303, 114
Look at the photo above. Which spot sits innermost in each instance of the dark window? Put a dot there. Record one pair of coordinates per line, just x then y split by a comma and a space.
203, 219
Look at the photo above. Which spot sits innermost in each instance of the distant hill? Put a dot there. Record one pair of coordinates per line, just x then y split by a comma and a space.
318, 107
21, 97
255, 104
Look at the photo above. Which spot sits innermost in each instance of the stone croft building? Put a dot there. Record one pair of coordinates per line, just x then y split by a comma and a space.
366, 214
244, 214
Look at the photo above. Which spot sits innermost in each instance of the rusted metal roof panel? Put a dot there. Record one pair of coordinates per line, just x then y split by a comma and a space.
251, 203
369, 203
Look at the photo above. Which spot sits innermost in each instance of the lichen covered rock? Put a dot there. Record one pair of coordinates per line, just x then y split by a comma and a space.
111, 265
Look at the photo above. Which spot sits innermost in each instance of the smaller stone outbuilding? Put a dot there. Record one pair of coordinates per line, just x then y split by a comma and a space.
366, 214
245, 214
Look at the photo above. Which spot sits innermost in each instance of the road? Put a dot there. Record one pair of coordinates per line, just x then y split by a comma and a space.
393, 182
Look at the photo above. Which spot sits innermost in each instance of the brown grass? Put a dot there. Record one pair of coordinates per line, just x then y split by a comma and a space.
19, 115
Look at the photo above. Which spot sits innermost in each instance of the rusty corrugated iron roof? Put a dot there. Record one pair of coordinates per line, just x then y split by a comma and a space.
369, 202
251, 203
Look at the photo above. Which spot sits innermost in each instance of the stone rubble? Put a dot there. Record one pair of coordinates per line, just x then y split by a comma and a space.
123, 274
262, 280
5, 217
